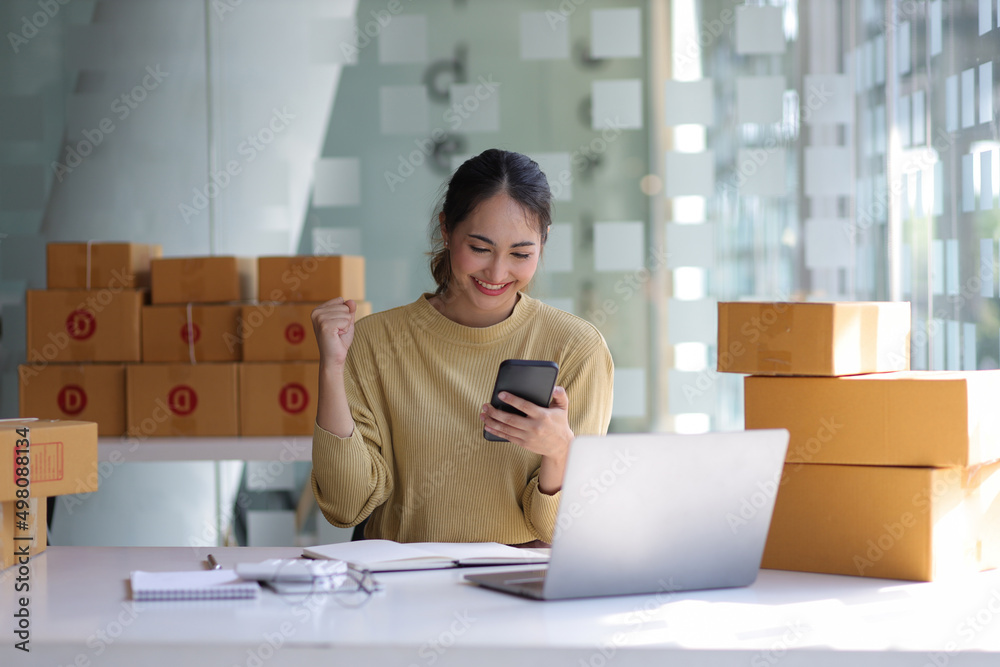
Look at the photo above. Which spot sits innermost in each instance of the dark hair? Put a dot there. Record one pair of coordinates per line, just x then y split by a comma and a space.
481, 177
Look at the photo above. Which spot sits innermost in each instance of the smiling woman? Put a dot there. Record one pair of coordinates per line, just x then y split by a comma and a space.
396, 434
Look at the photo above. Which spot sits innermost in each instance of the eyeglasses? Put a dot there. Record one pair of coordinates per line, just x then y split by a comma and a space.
350, 588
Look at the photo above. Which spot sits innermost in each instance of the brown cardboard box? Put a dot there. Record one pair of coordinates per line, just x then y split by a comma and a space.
301, 278
63, 456
283, 331
112, 265
85, 392
203, 279
830, 339
13, 533
182, 399
923, 524
910, 418
211, 334
278, 399
84, 325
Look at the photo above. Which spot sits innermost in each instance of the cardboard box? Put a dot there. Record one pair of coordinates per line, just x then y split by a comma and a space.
303, 278
922, 524
112, 265
13, 532
210, 335
278, 399
63, 456
185, 280
182, 399
85, 392
910, 418
829, 339
283, 331
84, 325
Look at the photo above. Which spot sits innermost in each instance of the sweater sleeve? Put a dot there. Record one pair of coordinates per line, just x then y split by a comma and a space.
587, 375
350, 476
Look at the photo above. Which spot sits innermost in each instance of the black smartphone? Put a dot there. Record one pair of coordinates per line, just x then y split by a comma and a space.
530, 379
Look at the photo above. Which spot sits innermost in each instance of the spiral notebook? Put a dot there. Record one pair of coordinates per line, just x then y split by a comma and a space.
196, 585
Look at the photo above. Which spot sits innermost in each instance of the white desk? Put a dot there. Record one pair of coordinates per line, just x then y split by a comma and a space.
80, 615
286, 449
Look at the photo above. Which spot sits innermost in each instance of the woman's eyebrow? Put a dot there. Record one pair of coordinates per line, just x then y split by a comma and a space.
519, 244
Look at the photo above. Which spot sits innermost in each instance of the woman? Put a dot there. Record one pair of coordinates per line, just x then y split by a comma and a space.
399, 427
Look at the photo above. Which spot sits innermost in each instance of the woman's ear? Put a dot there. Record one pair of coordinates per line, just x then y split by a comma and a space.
444, 232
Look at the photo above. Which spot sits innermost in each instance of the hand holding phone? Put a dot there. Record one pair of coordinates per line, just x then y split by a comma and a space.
530, 379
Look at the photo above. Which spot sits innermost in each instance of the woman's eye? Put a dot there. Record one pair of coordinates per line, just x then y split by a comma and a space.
521, 255
478, 249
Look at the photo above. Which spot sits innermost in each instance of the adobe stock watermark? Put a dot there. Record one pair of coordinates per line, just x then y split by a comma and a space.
432, 650
121, 107
362, 36
250, 148
595, 487
967, 630
627, 286
35, 23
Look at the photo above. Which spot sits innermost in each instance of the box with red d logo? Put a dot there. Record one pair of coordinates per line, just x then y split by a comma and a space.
181, 399
84, 392
84, 325
279, 398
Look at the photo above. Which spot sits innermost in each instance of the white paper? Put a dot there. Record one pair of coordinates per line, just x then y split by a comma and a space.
404, 109
619, 246
828, 171
690, 245
759, 99
332, 41
935, 27
969, 362
759, 30
617, 104
827, 244
903, 120
951, 103
689, 102
986, 270
542, 39
692, 321
762, 177
936, 266
903, 47
690, 174
986, 92
919, 126
985, 16
986, 180
556, 167
558, 253
690, 391
968, 184
403, 40
968, 97
615, 33
336, 241
480, 108
828, 99
951, 267
337, 182
629, 393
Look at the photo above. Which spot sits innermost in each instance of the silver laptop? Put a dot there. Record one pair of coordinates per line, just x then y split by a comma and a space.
657, 512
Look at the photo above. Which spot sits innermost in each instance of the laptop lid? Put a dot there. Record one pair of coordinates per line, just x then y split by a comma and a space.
645, 513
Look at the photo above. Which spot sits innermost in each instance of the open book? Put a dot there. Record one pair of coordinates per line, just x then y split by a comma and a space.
389, 556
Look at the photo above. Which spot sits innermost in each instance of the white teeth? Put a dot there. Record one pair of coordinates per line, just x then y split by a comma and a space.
487, 285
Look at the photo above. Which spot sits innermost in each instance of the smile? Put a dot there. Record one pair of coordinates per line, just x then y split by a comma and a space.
490, 288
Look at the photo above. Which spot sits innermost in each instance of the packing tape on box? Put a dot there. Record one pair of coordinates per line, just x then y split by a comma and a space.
90, 245
190, 333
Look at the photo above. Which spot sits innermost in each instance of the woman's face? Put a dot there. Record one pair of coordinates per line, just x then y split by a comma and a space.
494, 253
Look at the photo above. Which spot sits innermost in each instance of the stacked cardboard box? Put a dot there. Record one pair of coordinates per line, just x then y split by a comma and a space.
280, 377
890, 473
82, 329
61, 458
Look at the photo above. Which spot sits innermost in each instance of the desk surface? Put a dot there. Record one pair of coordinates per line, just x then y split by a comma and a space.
81, 614
277, 448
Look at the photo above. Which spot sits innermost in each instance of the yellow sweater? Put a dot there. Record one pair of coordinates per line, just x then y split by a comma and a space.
417, 461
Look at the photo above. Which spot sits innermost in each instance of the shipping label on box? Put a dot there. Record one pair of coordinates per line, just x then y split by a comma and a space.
22, 530
182, 399
311, 278
283, 331
182, 280
191, 333
84, 325
922, 524
278, 398
911, 418
63, 457
826, 339
83, 392
111, 265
